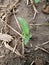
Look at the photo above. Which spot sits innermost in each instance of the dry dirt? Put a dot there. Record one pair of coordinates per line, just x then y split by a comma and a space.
40, 34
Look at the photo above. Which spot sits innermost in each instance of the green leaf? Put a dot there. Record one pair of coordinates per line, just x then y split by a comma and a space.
36, 1
25, 29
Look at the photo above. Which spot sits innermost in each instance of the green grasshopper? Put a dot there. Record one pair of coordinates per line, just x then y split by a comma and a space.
26, 35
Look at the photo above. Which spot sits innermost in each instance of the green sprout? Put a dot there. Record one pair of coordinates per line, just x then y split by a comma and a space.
36, 1
25, 30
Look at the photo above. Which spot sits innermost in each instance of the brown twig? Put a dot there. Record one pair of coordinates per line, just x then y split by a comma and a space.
7, 13
22, 47
16, 20
10, 48
41, 45
6, 29
43, 24
2, 56
3, 6
42, 49
27, 2
16, 42
32, 62
12, 29
36, 11
38, 47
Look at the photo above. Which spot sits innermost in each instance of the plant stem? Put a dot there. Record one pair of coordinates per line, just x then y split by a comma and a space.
45, 24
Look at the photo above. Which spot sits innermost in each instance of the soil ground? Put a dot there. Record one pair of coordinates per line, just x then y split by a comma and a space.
40, 34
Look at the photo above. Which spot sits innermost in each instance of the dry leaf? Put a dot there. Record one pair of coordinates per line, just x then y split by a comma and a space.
5, 37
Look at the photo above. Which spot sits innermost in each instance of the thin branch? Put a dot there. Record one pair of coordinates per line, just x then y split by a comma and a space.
44, 24
16, 20
42, 49
16, 42
36, 24
3, 6
10, 8
41, 45
2, 56
27, 2
34, 15
10, 48
44, 43
32, 63
36, 11
13, 29
22, 47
